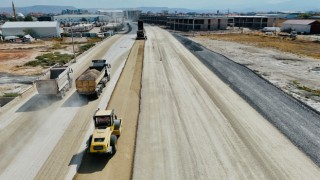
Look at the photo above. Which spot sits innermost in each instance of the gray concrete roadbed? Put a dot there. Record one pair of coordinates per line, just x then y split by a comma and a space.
296, 120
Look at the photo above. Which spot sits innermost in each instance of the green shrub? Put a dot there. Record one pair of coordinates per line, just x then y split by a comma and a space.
50, 59
11, 94
315, 92
86, 47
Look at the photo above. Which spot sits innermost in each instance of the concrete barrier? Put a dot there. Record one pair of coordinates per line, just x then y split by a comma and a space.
25, 94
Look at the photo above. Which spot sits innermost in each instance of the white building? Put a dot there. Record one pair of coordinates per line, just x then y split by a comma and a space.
302, 26
73, 18
43, 29
115, 15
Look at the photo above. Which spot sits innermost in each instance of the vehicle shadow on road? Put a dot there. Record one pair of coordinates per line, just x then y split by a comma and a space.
92, 163
75, 100
37, 102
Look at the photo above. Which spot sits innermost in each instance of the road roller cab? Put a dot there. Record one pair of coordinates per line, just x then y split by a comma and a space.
106, 133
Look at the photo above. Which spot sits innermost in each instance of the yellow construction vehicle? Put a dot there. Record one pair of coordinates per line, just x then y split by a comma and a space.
106, 133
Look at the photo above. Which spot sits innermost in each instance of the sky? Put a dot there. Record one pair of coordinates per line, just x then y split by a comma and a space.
190, 4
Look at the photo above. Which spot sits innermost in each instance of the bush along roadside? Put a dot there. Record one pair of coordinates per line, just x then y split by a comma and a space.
85, 47
313, 92
11, 95
50, 59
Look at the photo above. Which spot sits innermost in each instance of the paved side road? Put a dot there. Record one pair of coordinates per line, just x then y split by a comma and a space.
298, 122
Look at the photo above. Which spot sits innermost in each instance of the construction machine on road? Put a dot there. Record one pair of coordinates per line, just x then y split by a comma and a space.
92, 81
141, 34
56, 82
106, 133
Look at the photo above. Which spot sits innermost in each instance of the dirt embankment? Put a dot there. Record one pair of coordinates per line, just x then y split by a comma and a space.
126, 102
14, 55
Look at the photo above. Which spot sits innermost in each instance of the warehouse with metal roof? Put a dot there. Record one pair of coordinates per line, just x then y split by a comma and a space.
302, 26
41, 29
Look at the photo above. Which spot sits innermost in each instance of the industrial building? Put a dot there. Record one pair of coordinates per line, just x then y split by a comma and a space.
257, 22
302, 26
209, 23
282, 15
45, 18
73, 18
187, 23
155, 19
42, 29
115, 15
74, 11
132, 14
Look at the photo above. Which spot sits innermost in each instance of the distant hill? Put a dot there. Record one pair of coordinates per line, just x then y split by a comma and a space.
289, 5
41, 9
152, 9
285, 5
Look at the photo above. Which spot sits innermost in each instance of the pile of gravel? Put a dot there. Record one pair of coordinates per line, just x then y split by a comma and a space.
91, 74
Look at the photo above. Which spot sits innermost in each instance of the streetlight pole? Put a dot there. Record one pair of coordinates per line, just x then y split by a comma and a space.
193, 26
74, 54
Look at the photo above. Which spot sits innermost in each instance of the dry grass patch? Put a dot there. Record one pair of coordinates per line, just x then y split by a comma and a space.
6, 55
299, 47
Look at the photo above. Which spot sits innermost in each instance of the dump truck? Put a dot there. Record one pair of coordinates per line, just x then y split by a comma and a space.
56, 82
105, 134
92, 81
141, 34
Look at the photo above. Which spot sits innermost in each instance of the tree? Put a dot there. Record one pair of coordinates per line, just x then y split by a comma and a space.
28, 18
305, 15
12, 19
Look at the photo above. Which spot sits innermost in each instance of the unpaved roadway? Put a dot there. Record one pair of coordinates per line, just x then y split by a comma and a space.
125, 100
40, 137
194, 126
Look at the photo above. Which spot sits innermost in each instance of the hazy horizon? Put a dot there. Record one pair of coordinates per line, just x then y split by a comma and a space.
190, 4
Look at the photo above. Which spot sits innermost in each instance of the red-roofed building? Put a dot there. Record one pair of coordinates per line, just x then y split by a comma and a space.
305, 26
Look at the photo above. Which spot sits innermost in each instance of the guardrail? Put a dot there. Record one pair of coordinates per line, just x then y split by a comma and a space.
17, 99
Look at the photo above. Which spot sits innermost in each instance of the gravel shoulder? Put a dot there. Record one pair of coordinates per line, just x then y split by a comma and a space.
300, 123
